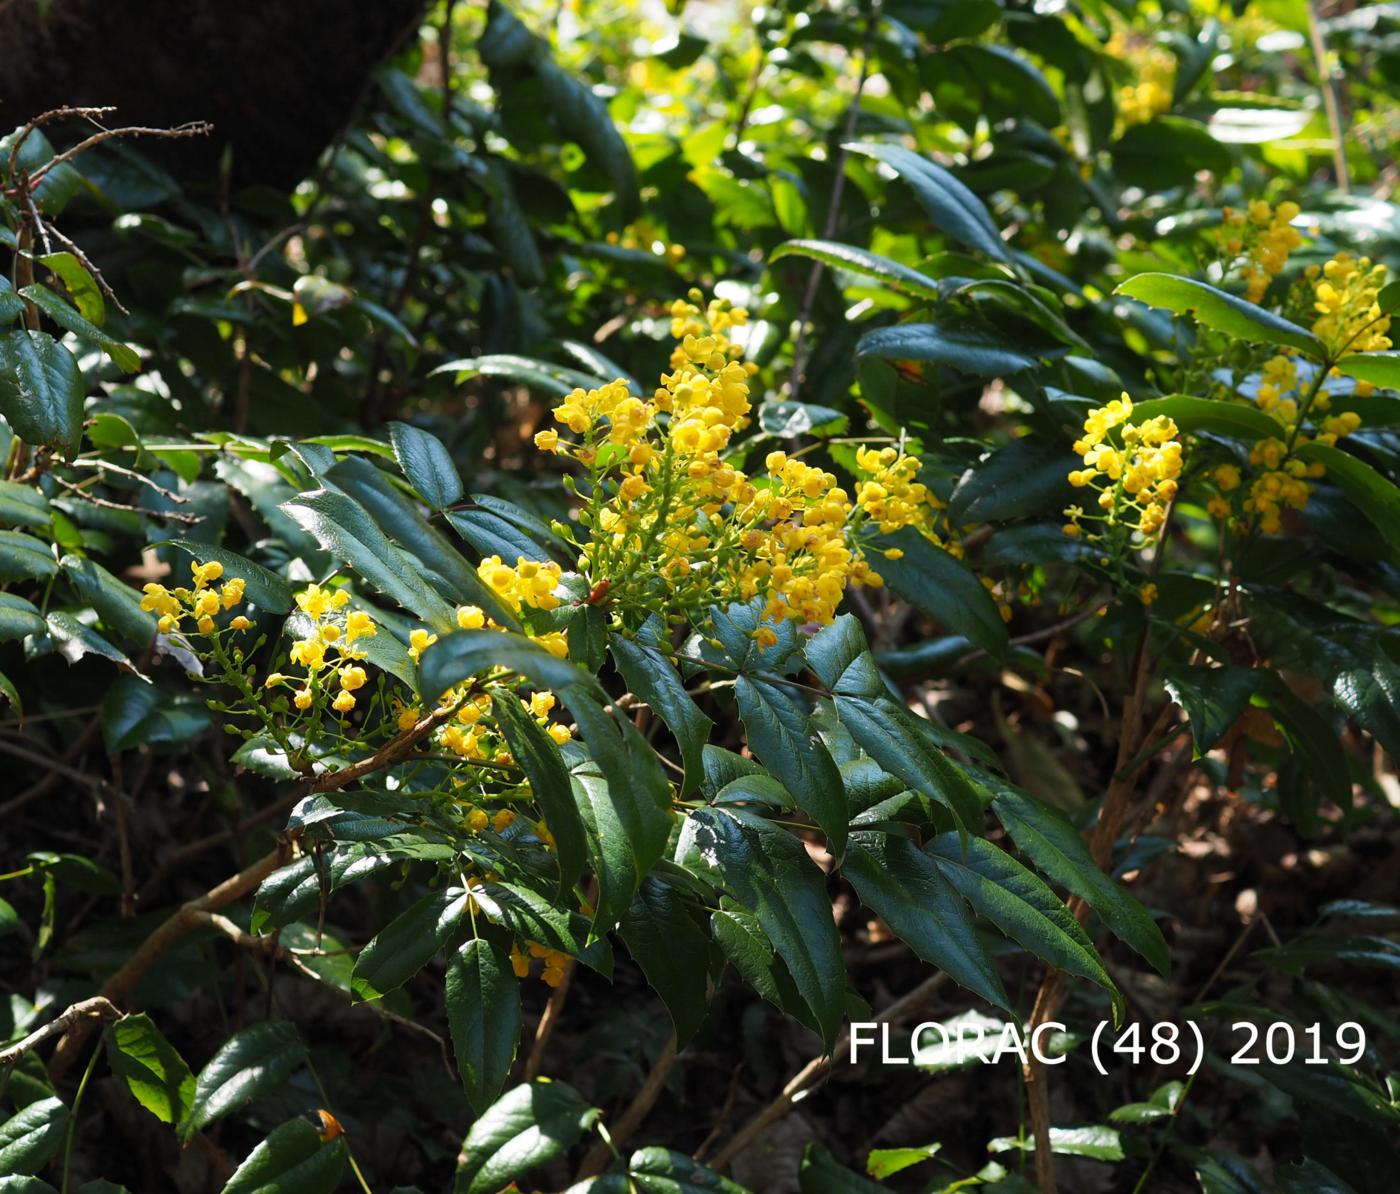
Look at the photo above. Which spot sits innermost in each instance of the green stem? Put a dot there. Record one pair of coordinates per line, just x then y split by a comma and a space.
73, 1115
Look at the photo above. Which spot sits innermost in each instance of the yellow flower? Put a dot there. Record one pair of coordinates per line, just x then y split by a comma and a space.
503, 820
419, 641
240, 623
359, 624
232, 592
204, 573
477, 820
302, 698
344, 702
314, 601
408, 717
470, 617
352, 677
310, 653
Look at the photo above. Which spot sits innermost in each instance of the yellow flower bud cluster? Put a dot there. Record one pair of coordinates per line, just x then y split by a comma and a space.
1134, 468
530, 583
675, 525
200, 603
1154, 71
892, 496
1349, 317
1263, 236
328, 652
642, 237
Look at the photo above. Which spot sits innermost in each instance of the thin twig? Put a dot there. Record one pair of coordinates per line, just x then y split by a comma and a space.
97, 1007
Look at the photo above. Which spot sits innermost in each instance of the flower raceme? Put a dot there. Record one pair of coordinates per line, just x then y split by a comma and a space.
199, 604
674, 523
1133, 467
1260, 239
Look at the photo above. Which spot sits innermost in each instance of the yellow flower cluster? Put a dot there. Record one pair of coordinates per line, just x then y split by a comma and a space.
328, 653
1136, 480
1154, 69
530, 583
1264, 236
1349, 317
554, 962
675, 524
642, 237
892, 496
200, 604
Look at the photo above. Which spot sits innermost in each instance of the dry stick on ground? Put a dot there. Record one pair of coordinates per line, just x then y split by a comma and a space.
810, 1074
597, 1158
190, 915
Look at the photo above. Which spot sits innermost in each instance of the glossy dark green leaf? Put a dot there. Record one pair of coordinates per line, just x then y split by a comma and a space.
779, 734
344, 528
821, 1173
663, 937
251, 1063
538, 754
531, 916
954, 209
909, 892
1049, 840
860, 261
23, 557
116, 603
654, 679
1028, 476
292, 1160
483, 1013
466, 653
1168, 151
19, 618
943, 587
150, 1068
528, 1126
126, 358
1213, 699
1204, 414
626, 812
840, 657
968, 350
664, 1171
403, 947
769, 871
902, 745
75, 639
427, 465
1223, 312
41, 390
443, 567
32, 1136
1018, 903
